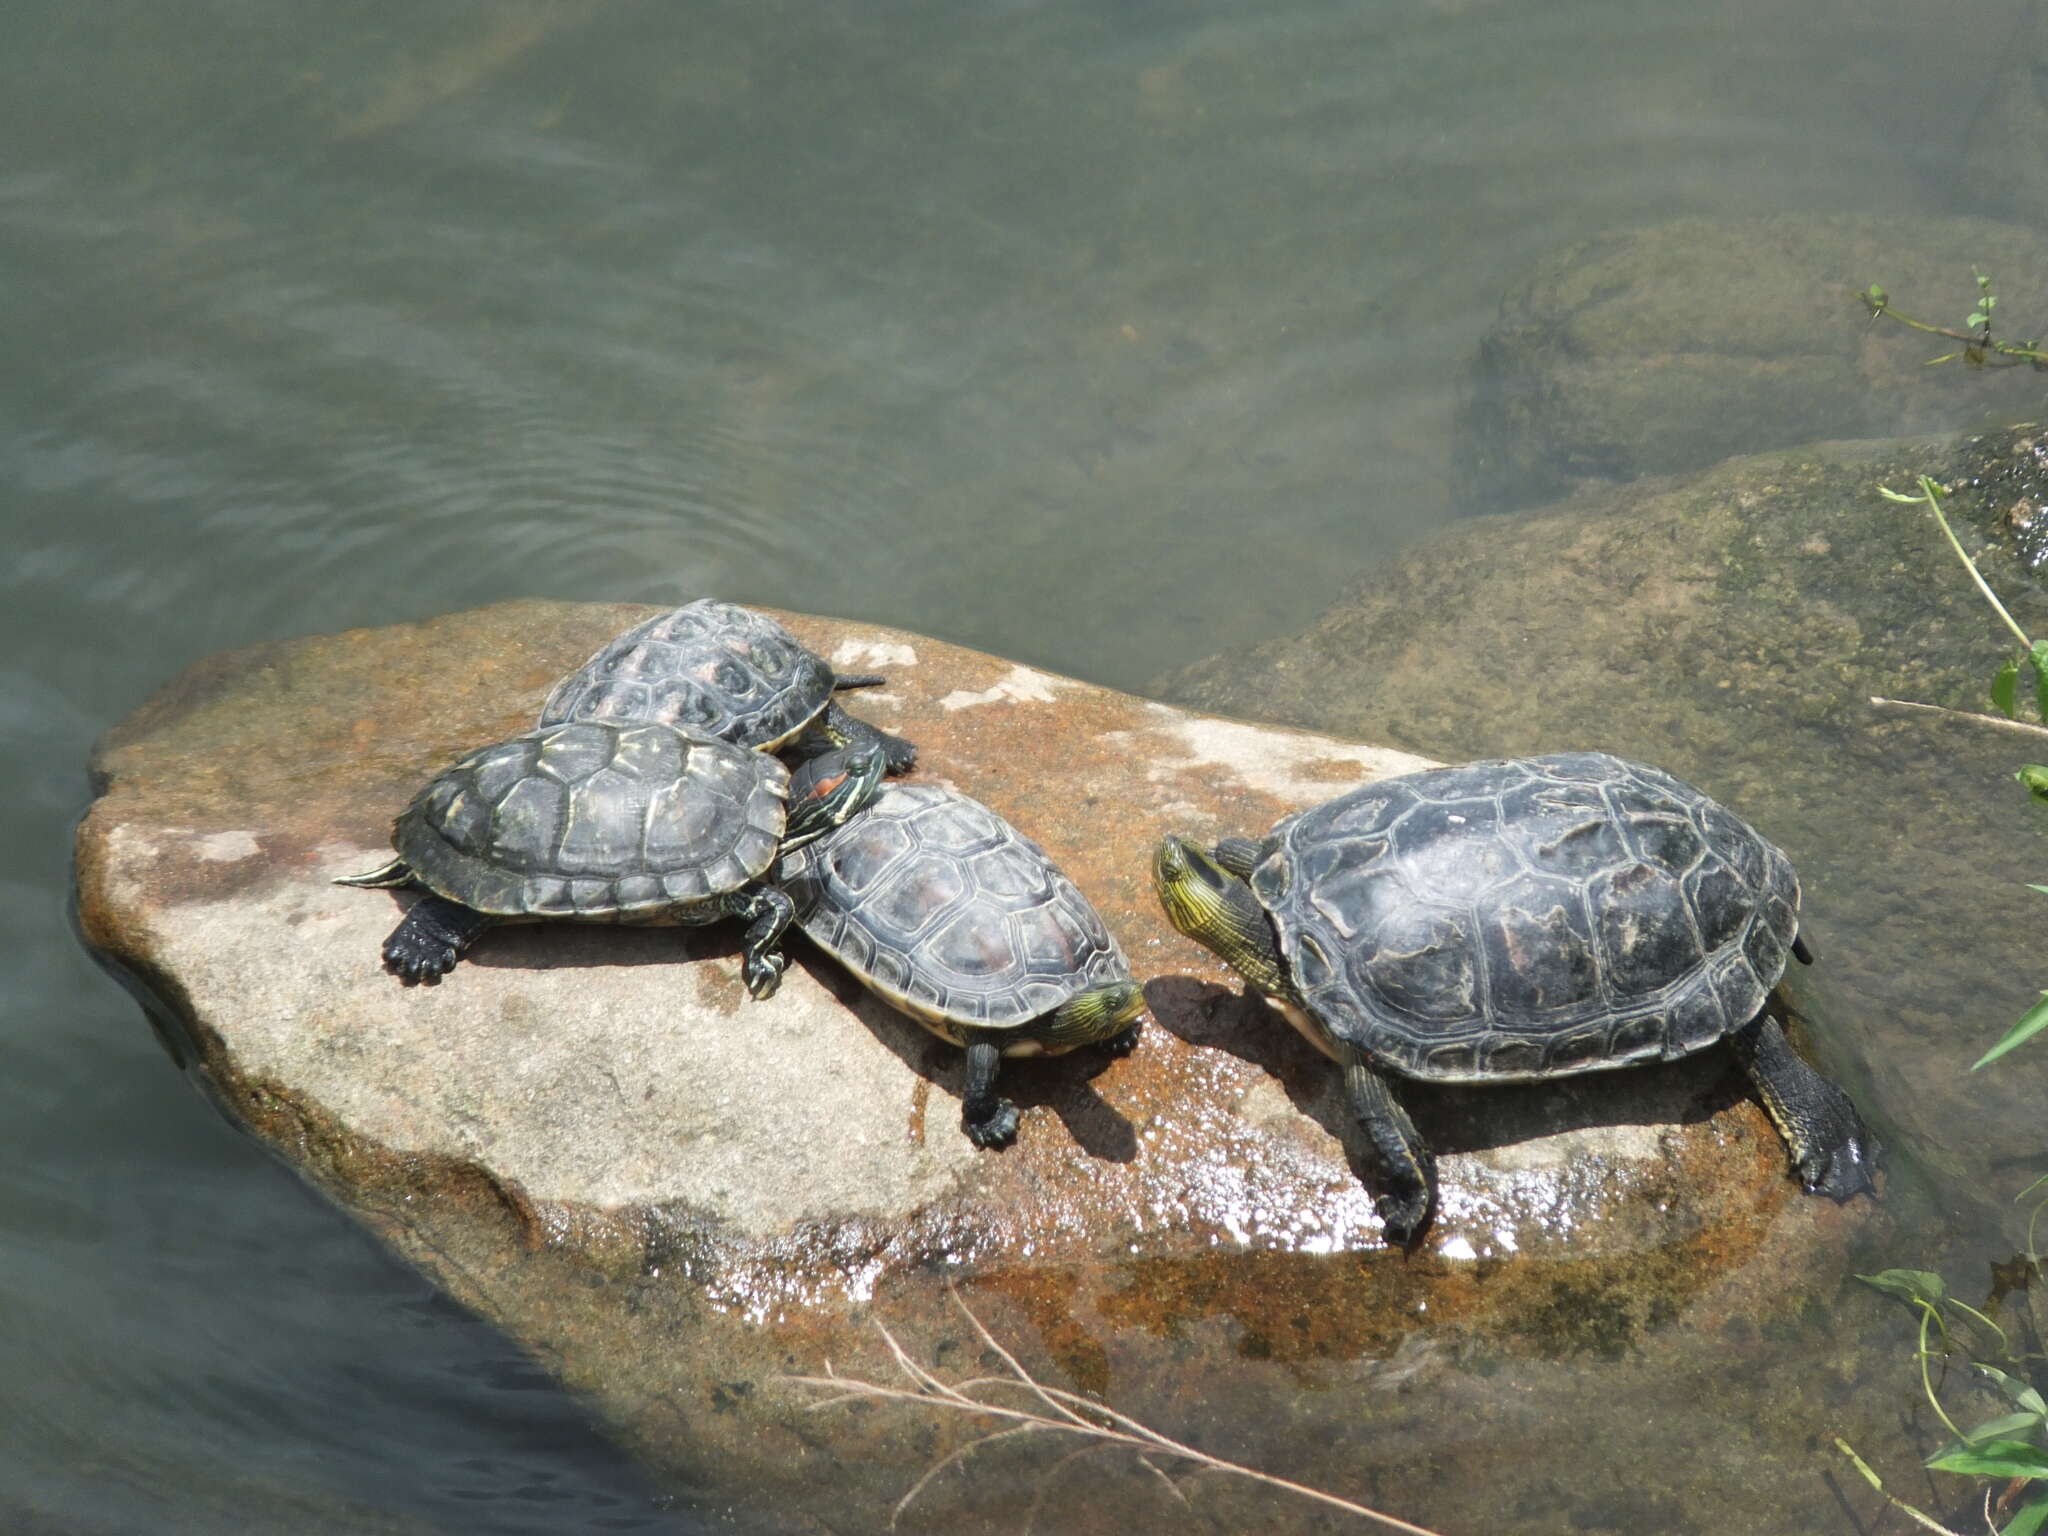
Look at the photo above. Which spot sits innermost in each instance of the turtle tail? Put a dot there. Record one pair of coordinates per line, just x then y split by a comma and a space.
383, 878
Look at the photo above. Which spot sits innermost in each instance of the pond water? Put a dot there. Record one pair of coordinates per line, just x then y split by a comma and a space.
1103, 337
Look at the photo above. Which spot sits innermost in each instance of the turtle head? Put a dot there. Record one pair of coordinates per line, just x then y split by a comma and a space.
1217, 909
832, 789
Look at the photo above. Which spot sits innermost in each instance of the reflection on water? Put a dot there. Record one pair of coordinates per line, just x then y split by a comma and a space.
1104, 337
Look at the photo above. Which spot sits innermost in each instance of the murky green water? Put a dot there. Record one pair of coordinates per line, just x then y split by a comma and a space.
1100, 336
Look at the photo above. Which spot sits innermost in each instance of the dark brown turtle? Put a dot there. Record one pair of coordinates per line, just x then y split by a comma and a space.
1517, 919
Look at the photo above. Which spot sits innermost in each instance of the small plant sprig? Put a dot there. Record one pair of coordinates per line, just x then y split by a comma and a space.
1036, 1409
2012, 1445
1980, 348
2032, 658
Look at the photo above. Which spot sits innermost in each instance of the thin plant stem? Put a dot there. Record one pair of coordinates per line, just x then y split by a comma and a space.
1931, 494
1927, 1382
1981, 340
1961, 714
1062, 1412
1870, 1477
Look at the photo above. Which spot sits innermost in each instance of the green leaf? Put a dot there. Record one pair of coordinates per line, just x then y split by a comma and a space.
2035, 777
1993, 1458
2004, 1427
1891, 495
1977, 318
2015, 1389
2003, 688
1920, 1285
1875, 294
2030, 1024
2043, 889
2032, 1516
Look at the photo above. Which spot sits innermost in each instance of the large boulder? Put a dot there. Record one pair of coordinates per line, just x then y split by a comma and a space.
1666, 349
678, 1199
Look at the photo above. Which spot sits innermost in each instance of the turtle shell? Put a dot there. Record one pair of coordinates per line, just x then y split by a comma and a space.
596, 819
1528, 918
950, 913
708, 666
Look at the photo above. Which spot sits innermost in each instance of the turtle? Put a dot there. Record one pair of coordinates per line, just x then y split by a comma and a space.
1517, 918
946, 911
717, 667
610, 822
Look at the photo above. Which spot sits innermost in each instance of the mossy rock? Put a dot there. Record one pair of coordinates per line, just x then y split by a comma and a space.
1668, 349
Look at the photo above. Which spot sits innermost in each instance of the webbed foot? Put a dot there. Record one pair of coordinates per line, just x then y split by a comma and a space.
426, 946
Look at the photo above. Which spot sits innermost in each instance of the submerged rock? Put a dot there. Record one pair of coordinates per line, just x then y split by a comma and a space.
1668, 349
677, 1198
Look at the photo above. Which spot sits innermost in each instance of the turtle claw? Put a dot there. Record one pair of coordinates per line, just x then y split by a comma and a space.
418, 958
763, 974
1123, 1044
1844, 1170
1404, 1213
997, 1127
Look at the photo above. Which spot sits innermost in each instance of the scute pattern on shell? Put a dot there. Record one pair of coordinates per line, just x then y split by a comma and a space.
951, 913
1529, 917
710, 666
592, 819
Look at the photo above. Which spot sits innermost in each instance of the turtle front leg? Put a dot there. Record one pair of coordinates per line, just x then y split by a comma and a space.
1831, 1146
436, 931
990, 1121
768, 912
1407, 1171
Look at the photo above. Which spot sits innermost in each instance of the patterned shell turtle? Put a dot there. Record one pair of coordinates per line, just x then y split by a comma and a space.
954, 916
1517, 919
610, 823
726, 670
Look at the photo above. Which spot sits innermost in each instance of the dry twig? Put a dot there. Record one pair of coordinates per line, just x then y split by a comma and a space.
1057, 1412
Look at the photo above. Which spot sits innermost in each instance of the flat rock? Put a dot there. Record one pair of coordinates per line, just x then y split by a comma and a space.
678, 1198
1661, 350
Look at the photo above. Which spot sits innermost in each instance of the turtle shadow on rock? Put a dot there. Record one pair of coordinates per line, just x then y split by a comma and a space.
1452, 1118
1058, 1083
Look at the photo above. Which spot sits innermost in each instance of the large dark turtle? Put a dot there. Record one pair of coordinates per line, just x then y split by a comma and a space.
605, 822
726, 670
1512, 919
954, 916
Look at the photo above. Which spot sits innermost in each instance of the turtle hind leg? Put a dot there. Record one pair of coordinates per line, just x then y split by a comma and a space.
1407, 1171
988, 1119
1830, 1145
432, 938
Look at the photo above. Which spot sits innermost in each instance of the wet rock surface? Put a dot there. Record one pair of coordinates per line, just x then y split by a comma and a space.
1668, 349
677, 1198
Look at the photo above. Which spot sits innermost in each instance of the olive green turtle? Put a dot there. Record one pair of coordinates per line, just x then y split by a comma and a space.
945, 910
